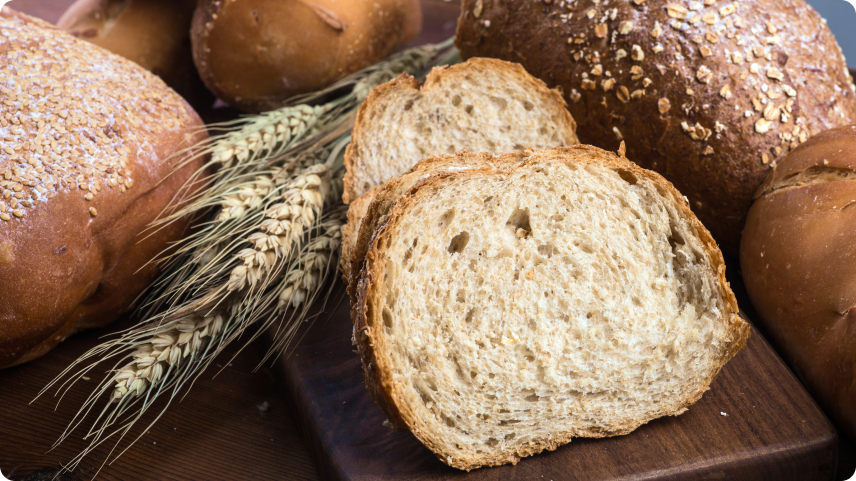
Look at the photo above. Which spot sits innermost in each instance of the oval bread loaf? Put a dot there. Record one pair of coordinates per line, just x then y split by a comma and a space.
86, 151
154, 34
255, 54
536, 297
799, 266
707, 93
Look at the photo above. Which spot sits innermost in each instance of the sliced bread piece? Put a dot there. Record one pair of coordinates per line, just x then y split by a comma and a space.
505, 310
484, 105
369, 210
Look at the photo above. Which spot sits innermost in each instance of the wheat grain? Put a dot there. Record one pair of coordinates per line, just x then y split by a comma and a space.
314, 261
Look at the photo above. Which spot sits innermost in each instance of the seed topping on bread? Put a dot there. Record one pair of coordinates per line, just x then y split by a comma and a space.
704, 29
48, 102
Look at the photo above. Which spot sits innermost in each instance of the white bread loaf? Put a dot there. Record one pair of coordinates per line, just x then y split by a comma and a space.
506, 309
482, 105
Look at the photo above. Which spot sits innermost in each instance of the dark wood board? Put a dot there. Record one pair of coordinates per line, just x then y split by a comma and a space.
771, 430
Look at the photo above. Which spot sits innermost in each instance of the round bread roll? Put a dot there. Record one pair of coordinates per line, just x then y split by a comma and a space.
255, 54
799, 266
86, 163
709, 93
155, 34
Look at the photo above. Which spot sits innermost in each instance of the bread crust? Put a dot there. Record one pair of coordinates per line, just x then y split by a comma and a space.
798, 264
255, 54
680, 97
154, 34
77, 255
405, 83
368, 322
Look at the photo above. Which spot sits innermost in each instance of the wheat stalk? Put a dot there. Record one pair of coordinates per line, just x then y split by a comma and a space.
266, 245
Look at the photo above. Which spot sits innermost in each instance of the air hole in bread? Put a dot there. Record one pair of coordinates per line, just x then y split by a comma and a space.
387, 317
510, 436
461, 296
487, 199
542, 130
445, 220
531, 398
499, 102
627, 176
450, 149
492, 442
456, 100
468, 109
469, 316
528, 105
408, 105
459, 242
519, 220
518, 147
546, 250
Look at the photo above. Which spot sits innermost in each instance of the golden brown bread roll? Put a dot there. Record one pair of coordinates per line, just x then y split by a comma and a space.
85, 137
155, 34
706, 92
255, 54
799, 265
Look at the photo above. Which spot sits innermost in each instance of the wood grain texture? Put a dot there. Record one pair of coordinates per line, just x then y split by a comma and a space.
221, 431
770, 430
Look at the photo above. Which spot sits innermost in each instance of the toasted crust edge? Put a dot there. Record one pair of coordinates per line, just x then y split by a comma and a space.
378, 380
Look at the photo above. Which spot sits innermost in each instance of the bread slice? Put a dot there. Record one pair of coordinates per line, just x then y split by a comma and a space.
505, 310
369, 210
483, 105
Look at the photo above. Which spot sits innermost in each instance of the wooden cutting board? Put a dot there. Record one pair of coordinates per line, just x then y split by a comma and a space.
756, 423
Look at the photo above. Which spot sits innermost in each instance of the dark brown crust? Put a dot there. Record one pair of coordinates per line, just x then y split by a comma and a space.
63, 269
798, 263
719, 185
436, 77
367, 317
255, 54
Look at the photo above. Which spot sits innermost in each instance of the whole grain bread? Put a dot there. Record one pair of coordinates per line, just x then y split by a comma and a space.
483, 105
87, 160
708, 93
506, 309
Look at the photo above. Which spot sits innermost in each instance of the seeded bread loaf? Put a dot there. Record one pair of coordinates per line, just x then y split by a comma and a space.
85, 161
566, 293
482, 105
799, 266
255, 54
708, 93
154, 34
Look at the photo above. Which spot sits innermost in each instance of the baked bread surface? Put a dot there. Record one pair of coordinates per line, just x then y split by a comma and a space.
86, 146
569, 293
799, 266
707, 93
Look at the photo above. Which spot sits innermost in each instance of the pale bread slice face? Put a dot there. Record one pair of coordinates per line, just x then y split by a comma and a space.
504, 311
483, 105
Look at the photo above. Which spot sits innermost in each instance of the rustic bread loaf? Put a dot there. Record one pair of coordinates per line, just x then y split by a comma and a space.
154, 34
86, 153
708, 93
255, 54
483, 105
799, 265
505, 310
